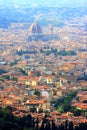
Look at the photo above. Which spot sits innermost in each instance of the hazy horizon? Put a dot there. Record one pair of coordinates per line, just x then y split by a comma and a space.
45, 3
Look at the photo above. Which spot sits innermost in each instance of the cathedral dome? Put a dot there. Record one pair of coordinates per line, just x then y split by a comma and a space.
35, 29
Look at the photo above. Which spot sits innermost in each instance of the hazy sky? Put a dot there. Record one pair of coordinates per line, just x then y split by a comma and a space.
51, 3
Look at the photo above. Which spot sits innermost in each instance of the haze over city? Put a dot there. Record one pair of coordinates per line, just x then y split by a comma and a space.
43, 64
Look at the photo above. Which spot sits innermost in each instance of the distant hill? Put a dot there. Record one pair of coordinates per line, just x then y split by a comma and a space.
43, 16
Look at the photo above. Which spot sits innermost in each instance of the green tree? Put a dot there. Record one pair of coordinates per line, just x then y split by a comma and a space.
37, 92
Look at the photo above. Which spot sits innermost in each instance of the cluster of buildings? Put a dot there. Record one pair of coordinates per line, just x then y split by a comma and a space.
31, 79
